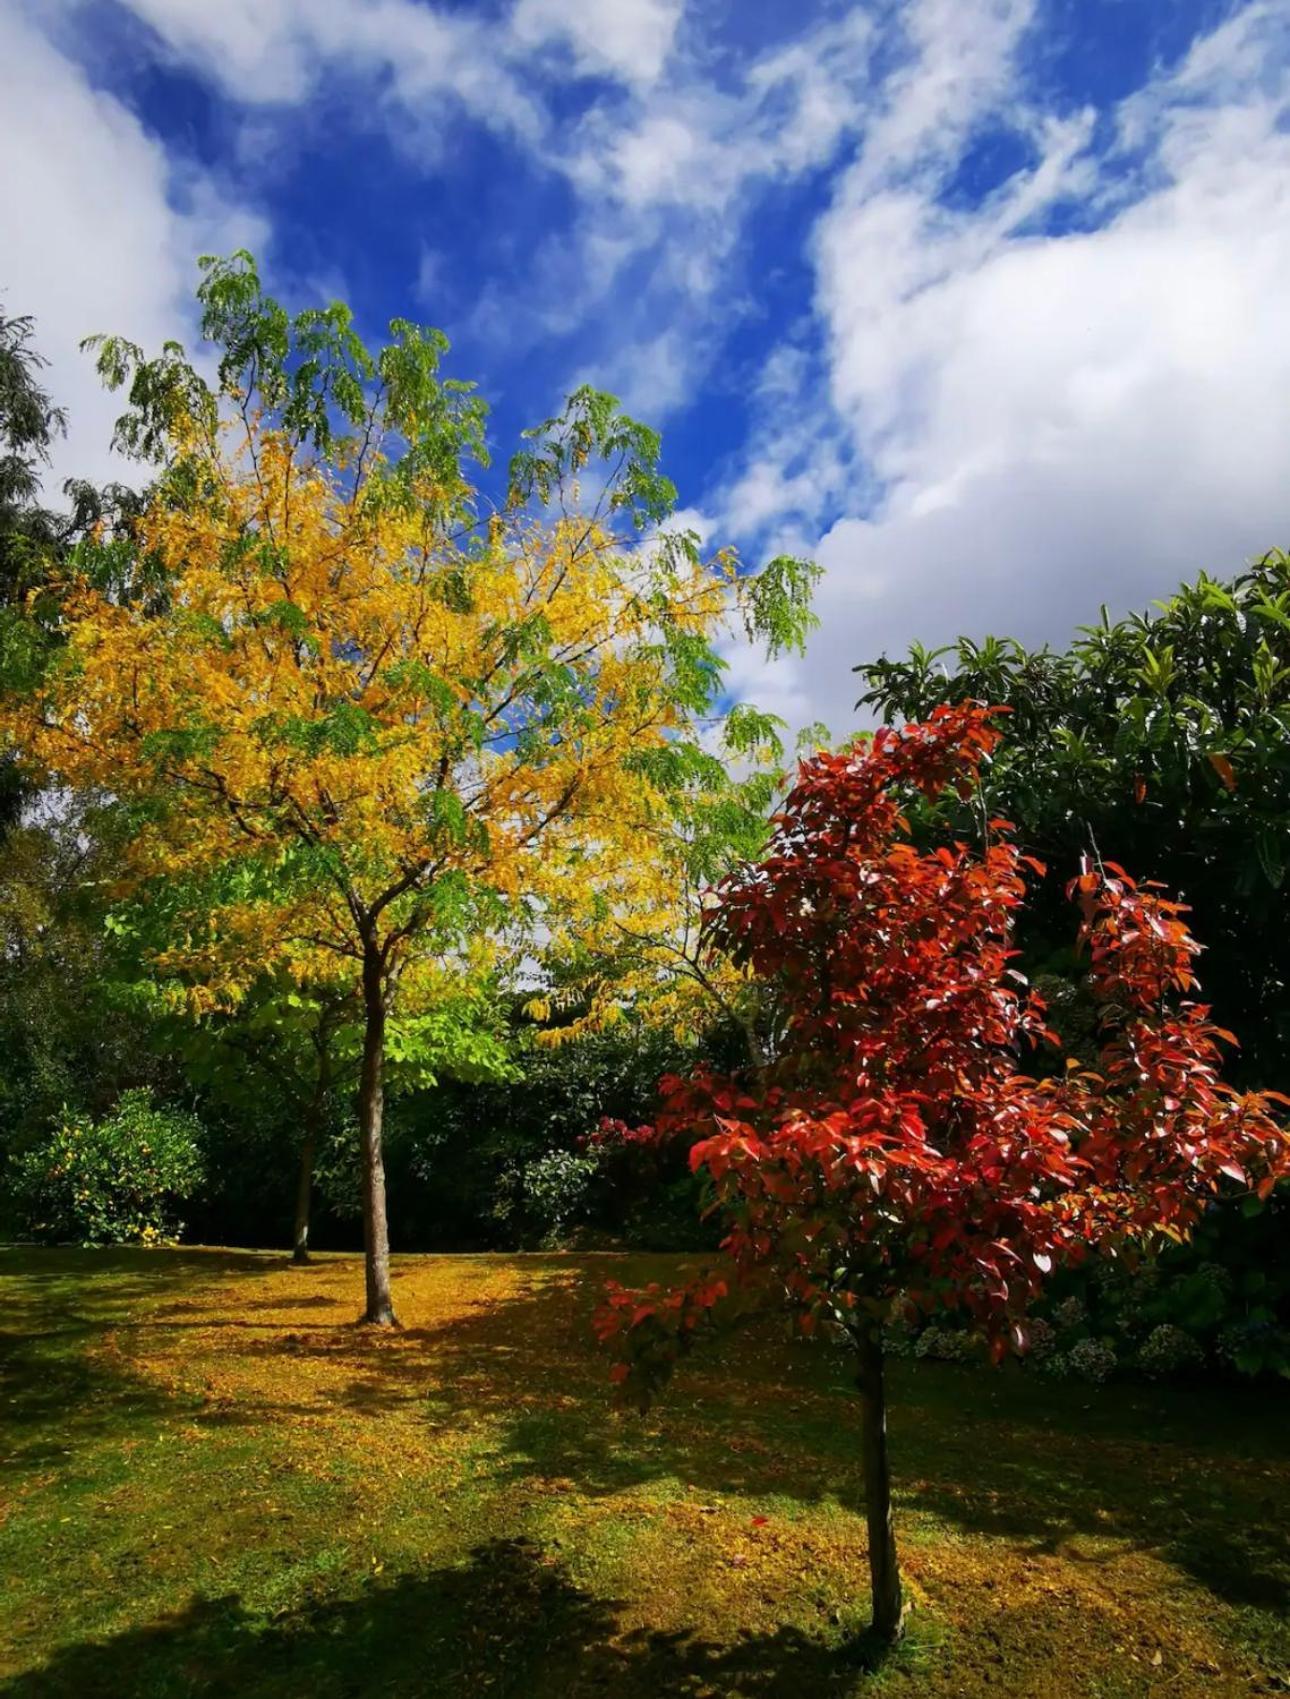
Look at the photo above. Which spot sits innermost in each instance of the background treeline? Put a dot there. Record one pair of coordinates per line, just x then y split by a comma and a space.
1160, 742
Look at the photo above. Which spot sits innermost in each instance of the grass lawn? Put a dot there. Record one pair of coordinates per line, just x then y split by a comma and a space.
213, 1485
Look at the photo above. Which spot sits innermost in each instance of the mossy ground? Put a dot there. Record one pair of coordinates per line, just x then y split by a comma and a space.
214, 1484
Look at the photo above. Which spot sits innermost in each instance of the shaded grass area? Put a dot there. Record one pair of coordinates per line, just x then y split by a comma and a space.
214, 1484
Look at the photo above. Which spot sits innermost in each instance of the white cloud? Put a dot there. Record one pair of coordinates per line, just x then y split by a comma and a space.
630, 39
101, 230
812, 92
1053, 420
960, 63
698, 146
261, 50
650, 378
693, 519
425, 62
429, 284
662, 159
665, 165
667, 189
776, 687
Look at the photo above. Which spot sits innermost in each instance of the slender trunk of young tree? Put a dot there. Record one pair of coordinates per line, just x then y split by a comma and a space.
371, 1105
304, 1189
314, 1117
884, 1568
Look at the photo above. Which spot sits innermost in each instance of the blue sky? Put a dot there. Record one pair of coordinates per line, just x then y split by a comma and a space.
980, 302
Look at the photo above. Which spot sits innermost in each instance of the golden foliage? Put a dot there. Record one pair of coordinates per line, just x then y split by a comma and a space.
338, 710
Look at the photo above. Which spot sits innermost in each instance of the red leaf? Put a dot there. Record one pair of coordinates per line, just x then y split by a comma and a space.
1223, 767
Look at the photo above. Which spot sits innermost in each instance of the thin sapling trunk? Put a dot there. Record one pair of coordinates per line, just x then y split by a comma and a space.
884, 1567
304, 1191
315, 1115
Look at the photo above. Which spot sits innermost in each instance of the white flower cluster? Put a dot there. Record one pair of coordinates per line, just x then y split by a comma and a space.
947, 1345
1091, 1360
1166, 1349
1068, 1314
1043, 1339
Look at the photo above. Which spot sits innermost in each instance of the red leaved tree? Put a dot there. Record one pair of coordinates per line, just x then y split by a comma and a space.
894, 1152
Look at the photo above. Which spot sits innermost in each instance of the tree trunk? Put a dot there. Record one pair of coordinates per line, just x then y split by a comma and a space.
304, 1188
757, 1056
315, 1116
371, 1106
884, 1568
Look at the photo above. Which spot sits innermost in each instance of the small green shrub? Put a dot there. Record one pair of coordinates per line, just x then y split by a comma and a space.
112, 1181
1255, 1346
542, 1200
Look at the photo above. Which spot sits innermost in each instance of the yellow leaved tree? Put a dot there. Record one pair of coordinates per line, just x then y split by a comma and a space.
635, 945
375, 723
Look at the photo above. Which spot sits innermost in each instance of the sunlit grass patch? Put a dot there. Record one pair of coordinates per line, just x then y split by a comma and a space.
215, 1484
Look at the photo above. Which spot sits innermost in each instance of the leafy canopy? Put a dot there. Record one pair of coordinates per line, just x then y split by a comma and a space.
893, 1151
357, 712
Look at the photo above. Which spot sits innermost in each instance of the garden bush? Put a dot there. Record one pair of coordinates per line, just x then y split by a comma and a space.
114, 1180
540, 1202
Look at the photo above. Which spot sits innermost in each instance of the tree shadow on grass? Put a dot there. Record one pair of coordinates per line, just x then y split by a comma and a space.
527, 1362
52, 1403
509, 1621
153, 1269
58, 1391
1195, 1475
316, 1301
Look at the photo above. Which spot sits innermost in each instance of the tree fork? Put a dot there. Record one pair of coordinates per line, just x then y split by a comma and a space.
884, 1566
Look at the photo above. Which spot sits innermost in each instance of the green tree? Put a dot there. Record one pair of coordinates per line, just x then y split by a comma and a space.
283, 1063
35, 538
30, 423
639, 950
29, 533
65, 1036
273, 1066
1161, 742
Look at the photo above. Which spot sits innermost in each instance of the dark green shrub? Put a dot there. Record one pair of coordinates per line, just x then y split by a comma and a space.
541, 1202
